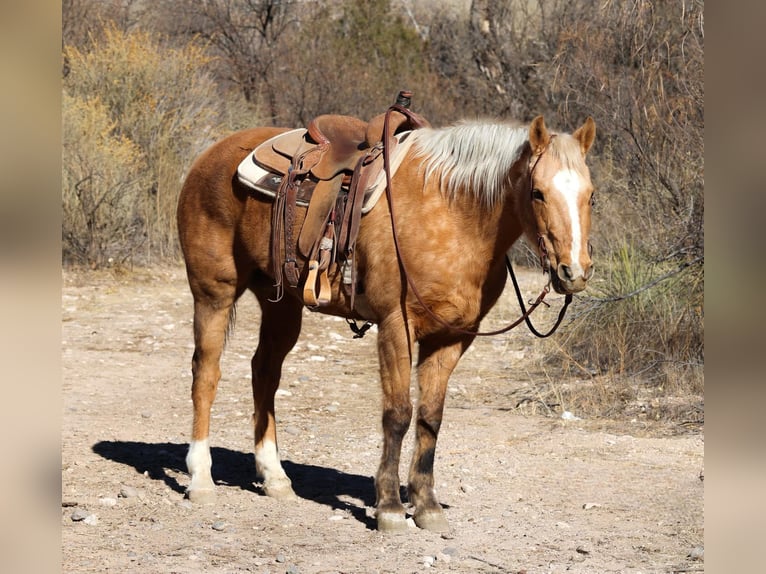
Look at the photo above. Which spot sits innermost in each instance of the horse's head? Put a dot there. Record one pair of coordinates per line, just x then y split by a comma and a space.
561, 194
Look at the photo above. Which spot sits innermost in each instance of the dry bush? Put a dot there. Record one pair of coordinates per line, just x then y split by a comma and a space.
638, 68
83, 20
354, 60
297, 60
645, 320
161, 100
104, 175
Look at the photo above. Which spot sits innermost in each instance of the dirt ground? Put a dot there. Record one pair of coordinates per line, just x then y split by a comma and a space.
524, 491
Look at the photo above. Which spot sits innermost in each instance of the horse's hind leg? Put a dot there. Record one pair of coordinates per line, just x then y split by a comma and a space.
213, 302
280, 328
435, 364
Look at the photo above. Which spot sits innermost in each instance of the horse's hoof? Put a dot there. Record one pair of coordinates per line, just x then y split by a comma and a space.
201, 495
280, 490
391, 522
431, 520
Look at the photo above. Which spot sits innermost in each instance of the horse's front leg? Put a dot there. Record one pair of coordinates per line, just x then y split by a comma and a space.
395, 356
436, 362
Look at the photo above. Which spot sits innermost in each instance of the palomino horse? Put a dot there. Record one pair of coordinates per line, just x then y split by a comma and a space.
461, 197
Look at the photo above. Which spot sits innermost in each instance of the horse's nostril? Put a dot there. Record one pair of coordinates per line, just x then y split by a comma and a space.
565, 272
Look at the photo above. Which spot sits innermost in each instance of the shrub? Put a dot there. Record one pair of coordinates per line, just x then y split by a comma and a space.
104, 175
641, 331
165, 104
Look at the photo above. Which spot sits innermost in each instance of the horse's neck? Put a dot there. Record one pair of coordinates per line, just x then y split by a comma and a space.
518, 206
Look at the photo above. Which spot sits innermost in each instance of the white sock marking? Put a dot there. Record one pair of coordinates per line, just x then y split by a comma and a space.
198, 463
267, 463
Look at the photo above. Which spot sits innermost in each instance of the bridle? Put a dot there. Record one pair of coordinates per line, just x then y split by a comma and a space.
545, 260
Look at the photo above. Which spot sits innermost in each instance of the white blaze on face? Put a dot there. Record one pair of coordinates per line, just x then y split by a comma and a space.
569, 184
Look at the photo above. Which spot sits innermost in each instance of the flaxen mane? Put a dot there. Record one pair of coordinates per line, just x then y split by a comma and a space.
471, 156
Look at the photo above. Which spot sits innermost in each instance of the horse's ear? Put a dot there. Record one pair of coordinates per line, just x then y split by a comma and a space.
585, 134
538, 135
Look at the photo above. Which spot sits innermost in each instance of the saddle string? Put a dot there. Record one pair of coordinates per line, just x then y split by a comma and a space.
283, 221
525, 312
277, 219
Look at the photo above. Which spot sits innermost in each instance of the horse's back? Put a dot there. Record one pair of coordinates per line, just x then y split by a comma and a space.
218, 163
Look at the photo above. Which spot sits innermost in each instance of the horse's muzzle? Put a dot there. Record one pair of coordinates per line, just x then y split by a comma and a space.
567, 281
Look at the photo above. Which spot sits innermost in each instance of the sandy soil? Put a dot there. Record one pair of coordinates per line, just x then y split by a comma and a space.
524, 492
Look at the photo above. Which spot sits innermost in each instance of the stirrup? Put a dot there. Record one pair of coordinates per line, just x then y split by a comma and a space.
309, 294
314, 276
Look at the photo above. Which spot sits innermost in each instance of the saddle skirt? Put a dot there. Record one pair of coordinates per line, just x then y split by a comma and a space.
263, 169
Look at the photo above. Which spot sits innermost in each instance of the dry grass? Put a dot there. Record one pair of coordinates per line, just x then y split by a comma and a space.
636, 357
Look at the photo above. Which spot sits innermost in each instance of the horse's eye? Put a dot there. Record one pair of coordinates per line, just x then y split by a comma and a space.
593, 199
538, 195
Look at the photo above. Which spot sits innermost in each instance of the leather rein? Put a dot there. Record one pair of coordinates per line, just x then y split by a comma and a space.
526, 312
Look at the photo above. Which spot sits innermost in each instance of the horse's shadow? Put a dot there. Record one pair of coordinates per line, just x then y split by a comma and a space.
236, 469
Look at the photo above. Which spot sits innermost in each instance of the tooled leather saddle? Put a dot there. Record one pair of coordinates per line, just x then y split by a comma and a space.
334, 171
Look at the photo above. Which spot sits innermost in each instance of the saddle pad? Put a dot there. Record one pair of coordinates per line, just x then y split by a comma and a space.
266, 182
376, 189
255, 177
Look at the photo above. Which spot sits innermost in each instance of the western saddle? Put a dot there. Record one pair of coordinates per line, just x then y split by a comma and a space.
326, 169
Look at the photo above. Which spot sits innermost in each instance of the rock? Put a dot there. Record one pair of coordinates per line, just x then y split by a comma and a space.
292, 569
697, 553
107, 501
590, 505
91, 519
219, 525
130, 492
428, 561
567, 416
450, 551
79, 515
442, 557
280, 558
